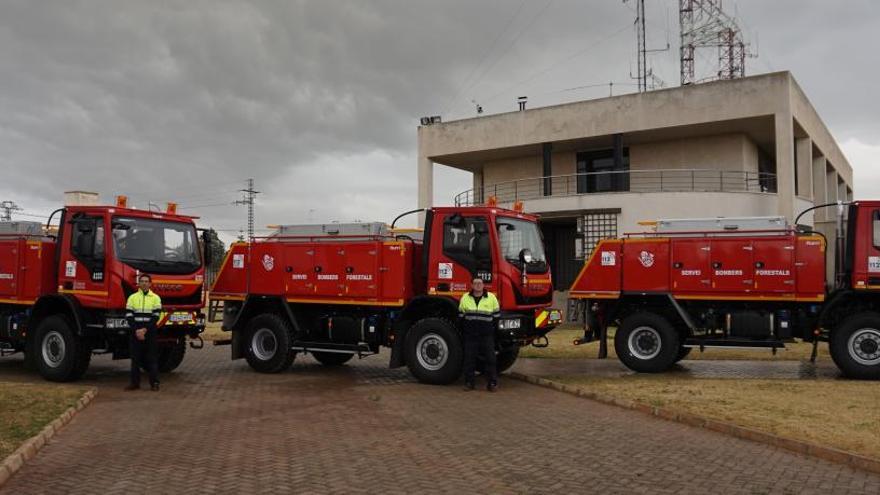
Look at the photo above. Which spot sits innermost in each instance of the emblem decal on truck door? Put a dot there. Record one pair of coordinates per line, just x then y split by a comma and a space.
444, 271
647, 259
609, 258
268, 262
70, 269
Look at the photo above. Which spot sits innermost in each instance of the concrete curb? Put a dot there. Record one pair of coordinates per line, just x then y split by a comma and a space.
31, 446
805, 448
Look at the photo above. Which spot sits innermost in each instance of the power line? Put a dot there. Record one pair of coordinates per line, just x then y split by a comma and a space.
512, 43
560, 61
464, 81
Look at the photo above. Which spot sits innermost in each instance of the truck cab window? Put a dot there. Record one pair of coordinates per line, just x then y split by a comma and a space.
87, 241
466, 240
877, 229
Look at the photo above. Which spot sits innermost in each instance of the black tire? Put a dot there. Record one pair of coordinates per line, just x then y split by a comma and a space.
505, 359
59, 355
332, 358
855, 346
170, 356
647, 343
682, 353
434, 351
268, 344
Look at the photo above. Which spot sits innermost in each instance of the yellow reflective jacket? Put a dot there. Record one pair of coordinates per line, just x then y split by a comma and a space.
479, 314
143, 309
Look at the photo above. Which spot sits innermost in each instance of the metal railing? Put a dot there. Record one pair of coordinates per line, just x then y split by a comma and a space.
637, 181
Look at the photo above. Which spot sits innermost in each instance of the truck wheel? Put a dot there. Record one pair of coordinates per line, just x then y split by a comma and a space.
682, 353
434, 351
855, 346
506, 358
647, 343
332, 358
170, 356
60, 356
268, 344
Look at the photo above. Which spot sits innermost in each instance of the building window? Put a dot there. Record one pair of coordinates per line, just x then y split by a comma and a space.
598, 173
766, 172
592, 228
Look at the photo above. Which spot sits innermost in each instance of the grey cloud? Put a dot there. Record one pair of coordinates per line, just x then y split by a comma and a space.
183, 100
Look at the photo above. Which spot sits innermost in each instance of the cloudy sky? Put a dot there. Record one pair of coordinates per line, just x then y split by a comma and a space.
319, 100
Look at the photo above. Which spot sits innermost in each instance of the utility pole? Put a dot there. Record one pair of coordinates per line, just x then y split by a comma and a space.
8, 207
249, 195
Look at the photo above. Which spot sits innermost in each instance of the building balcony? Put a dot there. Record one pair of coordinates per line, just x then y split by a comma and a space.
626, 181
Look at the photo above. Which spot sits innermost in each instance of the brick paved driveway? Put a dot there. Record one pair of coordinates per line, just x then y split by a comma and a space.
218, 427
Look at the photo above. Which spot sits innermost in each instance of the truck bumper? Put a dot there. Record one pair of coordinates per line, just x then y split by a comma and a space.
522, 329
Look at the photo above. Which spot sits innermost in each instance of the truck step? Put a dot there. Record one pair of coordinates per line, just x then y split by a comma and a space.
6, 349
360, 349
734, 343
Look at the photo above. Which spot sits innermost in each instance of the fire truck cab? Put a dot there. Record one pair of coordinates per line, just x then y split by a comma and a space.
63, 291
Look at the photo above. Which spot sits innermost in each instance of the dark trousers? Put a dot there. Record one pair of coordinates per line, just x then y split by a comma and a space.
479, 341
144, 354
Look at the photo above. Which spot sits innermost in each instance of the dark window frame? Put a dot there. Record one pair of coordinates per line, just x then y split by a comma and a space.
467, 258
587, 180
876, 225
95, 260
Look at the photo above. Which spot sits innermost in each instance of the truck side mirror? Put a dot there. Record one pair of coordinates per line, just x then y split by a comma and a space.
207, 247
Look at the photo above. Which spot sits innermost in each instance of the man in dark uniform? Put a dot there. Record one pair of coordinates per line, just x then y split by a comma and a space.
479, 311
143, 310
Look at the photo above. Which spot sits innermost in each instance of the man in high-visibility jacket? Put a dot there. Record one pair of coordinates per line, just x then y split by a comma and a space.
479, 312
142, 310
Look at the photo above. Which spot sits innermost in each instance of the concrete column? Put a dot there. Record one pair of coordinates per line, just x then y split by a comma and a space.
478, 186
426, 182
820, 195
830, 184
804, 153
785, 165
841, 189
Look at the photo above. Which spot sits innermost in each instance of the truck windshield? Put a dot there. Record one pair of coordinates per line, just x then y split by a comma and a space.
514, 235
156, 246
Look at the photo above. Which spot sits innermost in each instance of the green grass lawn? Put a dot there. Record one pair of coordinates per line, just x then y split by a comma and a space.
831, 412
25, 409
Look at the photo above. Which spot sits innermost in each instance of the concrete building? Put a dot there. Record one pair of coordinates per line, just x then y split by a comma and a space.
592, 169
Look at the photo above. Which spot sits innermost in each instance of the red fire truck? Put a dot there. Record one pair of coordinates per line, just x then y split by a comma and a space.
63, 292
752, 284
340, 290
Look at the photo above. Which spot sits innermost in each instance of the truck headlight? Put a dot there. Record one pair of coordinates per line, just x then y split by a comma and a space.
510, 324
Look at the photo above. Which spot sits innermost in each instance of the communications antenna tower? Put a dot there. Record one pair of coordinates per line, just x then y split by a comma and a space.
704, 25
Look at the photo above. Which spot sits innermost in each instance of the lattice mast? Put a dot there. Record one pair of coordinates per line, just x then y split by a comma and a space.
705, 26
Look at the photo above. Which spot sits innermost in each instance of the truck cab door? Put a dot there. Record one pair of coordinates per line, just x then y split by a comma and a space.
465, 252
870, 260
82, 264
